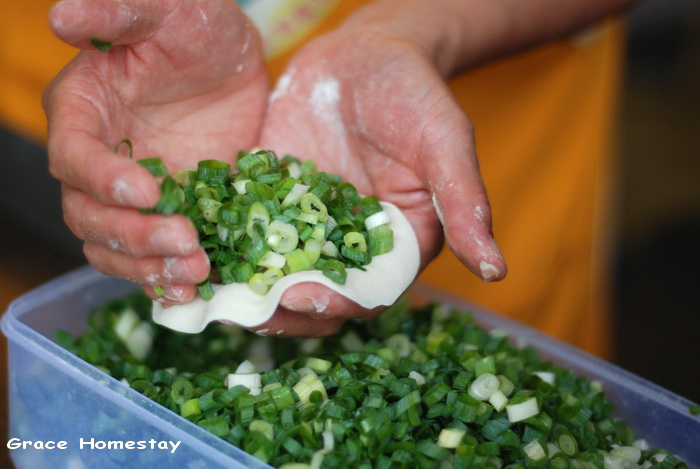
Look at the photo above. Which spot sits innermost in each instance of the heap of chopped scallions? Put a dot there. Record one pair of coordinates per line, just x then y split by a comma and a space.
269, 217
417, 388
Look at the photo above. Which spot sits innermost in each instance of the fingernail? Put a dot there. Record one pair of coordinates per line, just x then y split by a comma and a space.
303, 304
134, 196
489, 272
169, 241
174, 293
177, 268
488, 267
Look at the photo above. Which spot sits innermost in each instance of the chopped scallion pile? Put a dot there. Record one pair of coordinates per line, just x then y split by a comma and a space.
417, 387
267, 213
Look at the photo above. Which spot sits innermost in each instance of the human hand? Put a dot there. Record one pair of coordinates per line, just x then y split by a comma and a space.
185, 80
371, 106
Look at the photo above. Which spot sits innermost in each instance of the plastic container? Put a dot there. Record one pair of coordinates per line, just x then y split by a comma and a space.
56, 397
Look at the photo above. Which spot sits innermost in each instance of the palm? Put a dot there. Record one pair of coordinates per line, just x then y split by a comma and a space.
185, 81
169, 98
351, 114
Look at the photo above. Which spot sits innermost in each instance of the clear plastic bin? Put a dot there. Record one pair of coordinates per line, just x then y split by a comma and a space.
55, 396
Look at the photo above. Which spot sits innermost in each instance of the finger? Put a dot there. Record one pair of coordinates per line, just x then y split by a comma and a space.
286, 323
77, 22
153, 270
320, 302
126, 230
451, 173
169, 295
79, 159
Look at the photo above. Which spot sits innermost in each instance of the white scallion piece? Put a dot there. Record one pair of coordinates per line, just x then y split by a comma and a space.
246, 366
546, 376
552, 449
140, 340
223, 232
249, 380
328, 440
524, 410
263, 427
498, 400
377, 219
294, 170
329, 249
294, 195
506, 386
126, 323
535, 451
306, 385
239, 186
629, 453
451, 437
330, 221
483, 387
641, 444
417, 377
272, 259
399, 343
282, 237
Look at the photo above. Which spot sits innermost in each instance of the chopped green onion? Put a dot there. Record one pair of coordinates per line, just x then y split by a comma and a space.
272, 275
272, 260
206, 291
335, 270
376, 220
190, 408
285, 202
258, 284
329, 249
102, 46
312, 249
155, 166
311, 204
306, 386
258, 216
535, 450
213, 171
483, 387
522, 406
355, 255
355, 240
293, 196
451, 437
407, 389
282, 237
128, 143
498, 400
297, 261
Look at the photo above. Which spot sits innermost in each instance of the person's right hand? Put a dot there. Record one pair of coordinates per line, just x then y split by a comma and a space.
178, 84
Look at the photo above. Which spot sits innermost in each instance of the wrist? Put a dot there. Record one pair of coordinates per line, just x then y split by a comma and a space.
460, 34
452, 35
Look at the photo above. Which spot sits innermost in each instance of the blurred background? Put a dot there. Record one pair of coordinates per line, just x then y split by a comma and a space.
657, 266
657, 261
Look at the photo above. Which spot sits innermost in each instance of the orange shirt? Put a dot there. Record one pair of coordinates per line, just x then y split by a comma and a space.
542, 121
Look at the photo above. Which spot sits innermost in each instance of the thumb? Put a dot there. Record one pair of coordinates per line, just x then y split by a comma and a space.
459, 196
86, 24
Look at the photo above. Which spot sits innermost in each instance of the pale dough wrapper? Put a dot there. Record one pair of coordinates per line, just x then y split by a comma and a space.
385, 279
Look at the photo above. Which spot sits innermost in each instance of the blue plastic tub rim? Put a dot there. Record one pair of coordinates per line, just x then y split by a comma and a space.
124, 396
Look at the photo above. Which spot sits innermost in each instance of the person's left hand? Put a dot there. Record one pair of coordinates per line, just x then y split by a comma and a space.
373, 108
